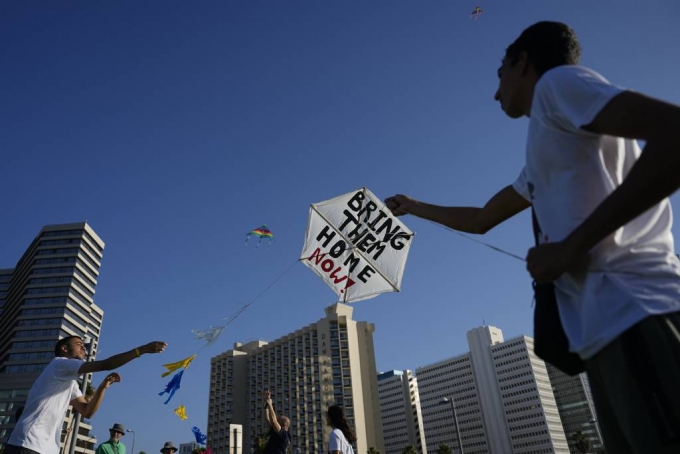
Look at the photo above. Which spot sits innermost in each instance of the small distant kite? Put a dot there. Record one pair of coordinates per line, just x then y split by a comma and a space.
261, 232
181, 411
476, 13
209, 335
200, 437
173, 386
184, 363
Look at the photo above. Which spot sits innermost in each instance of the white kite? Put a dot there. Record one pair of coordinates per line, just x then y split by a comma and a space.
356, 245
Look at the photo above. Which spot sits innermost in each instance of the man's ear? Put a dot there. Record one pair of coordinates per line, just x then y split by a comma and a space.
523, 61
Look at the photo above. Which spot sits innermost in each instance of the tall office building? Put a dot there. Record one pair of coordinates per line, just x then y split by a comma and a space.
328, 362
496, 398
402, 419
187, 448
440, 382
48, 295
576, 407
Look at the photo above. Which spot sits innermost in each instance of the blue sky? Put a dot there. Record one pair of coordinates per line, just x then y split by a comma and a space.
176, 127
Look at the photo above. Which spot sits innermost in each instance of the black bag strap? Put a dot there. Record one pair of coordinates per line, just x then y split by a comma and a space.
534, 224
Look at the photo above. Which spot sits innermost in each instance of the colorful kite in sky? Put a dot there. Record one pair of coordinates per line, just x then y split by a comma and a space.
173, 386
476, 13
200, 438
181, 412
356, 245
184, 363
261, 232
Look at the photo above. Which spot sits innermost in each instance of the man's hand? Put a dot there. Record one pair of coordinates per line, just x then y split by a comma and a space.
549, 261
399, 204
153, 347
267, 397
110, 379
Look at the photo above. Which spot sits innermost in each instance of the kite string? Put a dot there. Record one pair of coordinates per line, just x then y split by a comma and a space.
245, 306
496, 248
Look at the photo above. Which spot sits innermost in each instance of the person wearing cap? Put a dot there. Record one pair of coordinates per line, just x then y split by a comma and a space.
38, 430
113, 445
168, 448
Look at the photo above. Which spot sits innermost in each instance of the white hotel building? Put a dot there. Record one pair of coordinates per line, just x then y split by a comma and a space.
502, 396
402, 419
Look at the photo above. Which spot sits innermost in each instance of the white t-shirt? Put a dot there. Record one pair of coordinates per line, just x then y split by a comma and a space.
338, 442
633, 273
39, 427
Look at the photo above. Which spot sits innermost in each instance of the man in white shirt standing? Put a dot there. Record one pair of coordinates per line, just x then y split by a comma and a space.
604, 232
38, 428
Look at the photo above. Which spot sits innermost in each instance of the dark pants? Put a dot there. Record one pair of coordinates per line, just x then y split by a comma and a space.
11, 449
635, 382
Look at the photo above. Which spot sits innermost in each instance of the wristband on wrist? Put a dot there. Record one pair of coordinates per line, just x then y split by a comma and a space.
137, 352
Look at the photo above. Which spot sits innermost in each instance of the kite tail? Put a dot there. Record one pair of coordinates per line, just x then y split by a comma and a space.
172, 393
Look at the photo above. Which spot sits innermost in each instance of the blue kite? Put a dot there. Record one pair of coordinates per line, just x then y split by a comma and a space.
200, 438
172, 386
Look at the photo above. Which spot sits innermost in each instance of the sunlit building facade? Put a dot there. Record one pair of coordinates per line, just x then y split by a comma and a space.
402, 419
48, 295
496, 398
328, 362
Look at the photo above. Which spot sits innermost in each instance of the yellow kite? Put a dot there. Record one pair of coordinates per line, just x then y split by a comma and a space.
179, 364
181, 412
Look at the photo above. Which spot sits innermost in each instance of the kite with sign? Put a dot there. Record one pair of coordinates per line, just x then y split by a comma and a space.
356, 245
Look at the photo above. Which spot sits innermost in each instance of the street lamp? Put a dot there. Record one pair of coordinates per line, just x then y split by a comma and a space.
445, 400
133, 440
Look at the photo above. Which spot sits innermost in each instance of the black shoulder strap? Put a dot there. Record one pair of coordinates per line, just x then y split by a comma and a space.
534, 223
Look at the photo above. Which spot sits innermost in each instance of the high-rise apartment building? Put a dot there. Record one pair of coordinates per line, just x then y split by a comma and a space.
402, 419
187, 448
496, 398
328, 362
48, 295
576, 407
449, 379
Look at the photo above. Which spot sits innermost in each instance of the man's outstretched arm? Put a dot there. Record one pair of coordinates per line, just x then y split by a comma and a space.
116, 361
273, 422
502, 206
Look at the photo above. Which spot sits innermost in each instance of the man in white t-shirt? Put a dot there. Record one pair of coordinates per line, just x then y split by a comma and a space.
39, 426
605, 228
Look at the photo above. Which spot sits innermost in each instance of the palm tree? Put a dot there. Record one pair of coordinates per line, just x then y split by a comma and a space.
261, 442
444, 449
409, 450
582, 443
372, 450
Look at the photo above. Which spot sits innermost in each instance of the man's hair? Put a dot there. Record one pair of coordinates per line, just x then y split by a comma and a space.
64, 341
548, 45
283, 421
